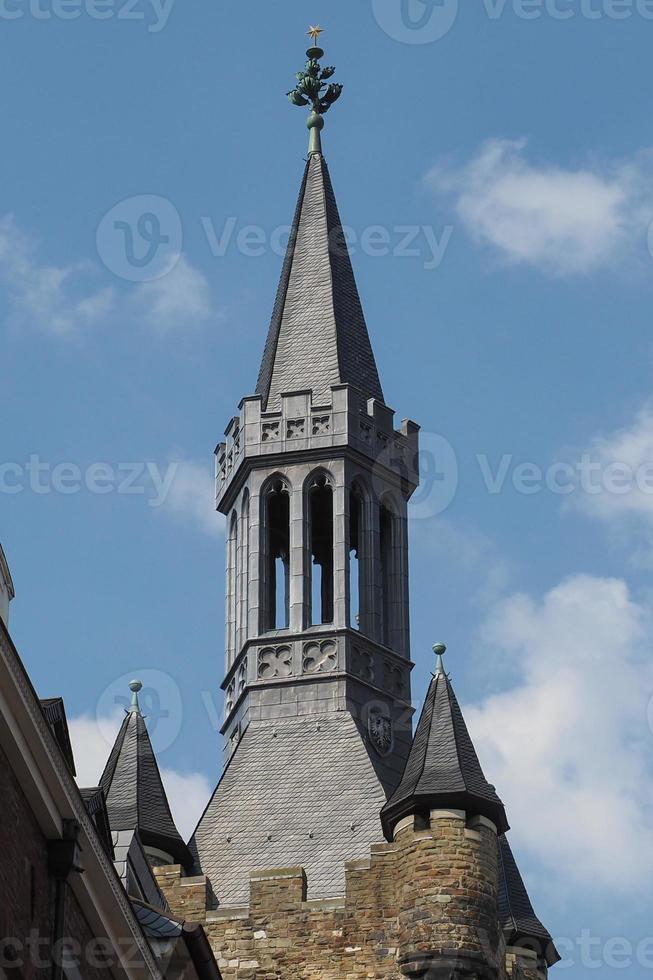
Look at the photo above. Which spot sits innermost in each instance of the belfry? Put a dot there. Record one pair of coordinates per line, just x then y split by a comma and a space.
314, 479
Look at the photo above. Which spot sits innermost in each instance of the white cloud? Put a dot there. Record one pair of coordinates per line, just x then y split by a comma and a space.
47, 297
180, 298
570, 746
59, 299
614, 484
187, 793
564, 221
191, 497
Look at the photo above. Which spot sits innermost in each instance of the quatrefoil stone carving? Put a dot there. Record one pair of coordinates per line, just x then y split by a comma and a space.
319, 658
274, 662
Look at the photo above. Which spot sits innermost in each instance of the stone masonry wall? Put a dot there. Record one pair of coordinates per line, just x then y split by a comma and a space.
425, 904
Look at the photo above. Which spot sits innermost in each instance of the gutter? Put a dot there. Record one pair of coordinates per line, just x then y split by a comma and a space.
200, 952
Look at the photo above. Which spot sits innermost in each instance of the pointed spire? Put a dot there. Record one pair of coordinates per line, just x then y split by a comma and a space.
521, 926
136, 799
443, 770
318, 336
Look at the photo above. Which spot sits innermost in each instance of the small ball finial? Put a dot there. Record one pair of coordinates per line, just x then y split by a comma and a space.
134, 708
439, 650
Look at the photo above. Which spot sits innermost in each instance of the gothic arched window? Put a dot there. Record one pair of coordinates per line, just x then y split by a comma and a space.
357, 560
243, 573
388, 555
276, 555
320, 543
232, 588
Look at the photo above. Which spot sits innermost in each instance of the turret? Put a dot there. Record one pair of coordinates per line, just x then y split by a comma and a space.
445, 816
135, 796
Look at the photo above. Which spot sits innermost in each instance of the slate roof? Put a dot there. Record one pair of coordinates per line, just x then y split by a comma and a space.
317, 336
54, 713
520, 924
443, 770
135, 797
297, 791
6, 575
96, 807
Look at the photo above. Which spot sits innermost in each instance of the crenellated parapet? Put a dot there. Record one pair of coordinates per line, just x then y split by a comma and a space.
424, 906
302, 427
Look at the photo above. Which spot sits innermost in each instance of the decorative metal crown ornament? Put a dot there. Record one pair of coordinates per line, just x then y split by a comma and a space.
313, 88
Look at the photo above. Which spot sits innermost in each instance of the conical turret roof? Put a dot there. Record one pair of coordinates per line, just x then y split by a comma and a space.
520, 924
136, 799
443, 770
317, 336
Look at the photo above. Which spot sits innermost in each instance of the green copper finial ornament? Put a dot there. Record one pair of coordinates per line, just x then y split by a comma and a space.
135, 687
439, 650
312, 89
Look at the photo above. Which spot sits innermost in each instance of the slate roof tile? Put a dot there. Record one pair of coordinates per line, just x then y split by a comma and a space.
317, 336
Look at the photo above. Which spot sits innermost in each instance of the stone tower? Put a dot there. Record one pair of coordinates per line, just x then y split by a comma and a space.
314, 480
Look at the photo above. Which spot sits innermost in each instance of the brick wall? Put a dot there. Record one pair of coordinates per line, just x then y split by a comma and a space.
27, 894
418, 906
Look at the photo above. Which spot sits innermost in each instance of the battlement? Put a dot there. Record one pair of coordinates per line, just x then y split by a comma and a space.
423, 904
304, 427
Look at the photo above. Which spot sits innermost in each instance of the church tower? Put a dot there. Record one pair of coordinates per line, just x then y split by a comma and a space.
314, 480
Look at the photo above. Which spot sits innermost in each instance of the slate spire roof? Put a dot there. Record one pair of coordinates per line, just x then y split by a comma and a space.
520, 924
443, 771
136, 799
317, 336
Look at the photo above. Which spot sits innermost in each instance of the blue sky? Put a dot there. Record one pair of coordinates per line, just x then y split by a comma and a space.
507, 147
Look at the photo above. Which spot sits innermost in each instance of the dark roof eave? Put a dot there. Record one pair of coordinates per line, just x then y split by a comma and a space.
473, 805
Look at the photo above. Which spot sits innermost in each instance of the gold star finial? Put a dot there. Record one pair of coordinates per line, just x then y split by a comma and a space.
314, 33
